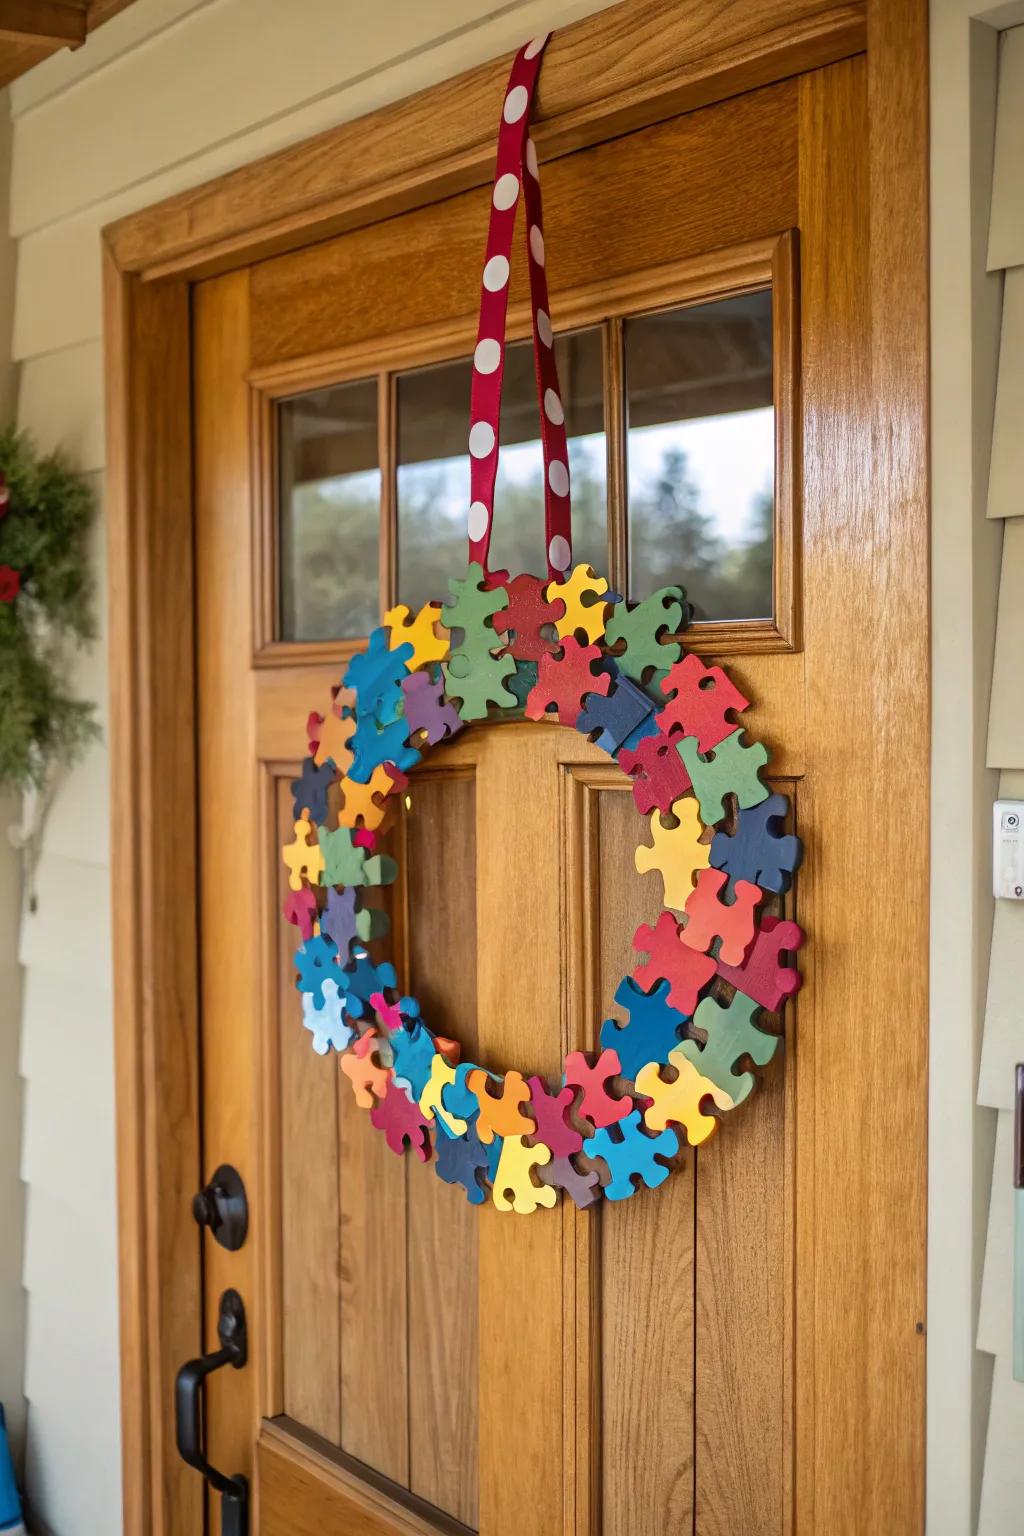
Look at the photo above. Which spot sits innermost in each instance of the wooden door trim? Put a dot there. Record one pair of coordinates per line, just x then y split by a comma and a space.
652, 59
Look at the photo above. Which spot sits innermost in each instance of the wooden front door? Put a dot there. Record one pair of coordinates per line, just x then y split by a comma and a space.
725, 1354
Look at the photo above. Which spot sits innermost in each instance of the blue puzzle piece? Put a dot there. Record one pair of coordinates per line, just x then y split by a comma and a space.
647, 727
372, 746
521, 681
461, 1160
327, 1024
458, 1098
361, 979
758, 850
614, 716
412, 1051
632, 1154
375, 677
654, 1027
314, 961
309, 790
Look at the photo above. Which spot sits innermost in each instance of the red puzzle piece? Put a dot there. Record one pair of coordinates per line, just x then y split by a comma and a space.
762, 975
658, 772
597, 1104
300, 908
709, 918
686, 971
563, 680
527, 611
700, 698
550, 1111
403, 1125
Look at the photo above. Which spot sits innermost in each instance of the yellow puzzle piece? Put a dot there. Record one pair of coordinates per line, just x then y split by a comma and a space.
591, 617
675, 852
359, 802
513, 1175
303, 857
334, 741
429, 643
678, 1102
442, 1075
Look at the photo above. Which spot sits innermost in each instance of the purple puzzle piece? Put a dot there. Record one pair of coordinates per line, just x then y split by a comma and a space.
426, 708
339, 919
582, 1188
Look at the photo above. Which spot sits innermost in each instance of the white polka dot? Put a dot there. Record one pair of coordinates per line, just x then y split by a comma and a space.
537, 245
531, 160
516, 103
496, 273
559, 553
506, 190
487, 355
535, 45
553, 407
544, 328
558, 477
478, 520
481, 439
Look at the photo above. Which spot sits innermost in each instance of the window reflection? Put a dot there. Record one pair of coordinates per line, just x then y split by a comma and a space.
701, 455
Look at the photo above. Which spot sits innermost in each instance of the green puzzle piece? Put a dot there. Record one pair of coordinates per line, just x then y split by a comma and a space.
664, 611
731, 1034
371, 922
479, 680
343, 861
473, 605
731, 768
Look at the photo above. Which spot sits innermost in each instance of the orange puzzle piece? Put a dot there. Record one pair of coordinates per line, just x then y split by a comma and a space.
501, 1114
366, 802
369, 1080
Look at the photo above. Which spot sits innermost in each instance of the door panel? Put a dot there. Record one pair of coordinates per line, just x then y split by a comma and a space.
422, 1365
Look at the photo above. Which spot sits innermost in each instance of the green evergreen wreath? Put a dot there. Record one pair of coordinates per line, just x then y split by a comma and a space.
46, 591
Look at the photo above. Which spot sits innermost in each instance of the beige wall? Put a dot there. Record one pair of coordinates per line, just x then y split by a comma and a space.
167, 95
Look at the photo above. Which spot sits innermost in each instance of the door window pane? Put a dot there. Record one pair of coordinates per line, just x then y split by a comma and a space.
329, 498
433, 467
701, 455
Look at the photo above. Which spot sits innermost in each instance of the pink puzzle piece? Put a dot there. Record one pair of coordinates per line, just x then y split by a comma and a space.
300, 908
597, 1104
550, 1111
403, 1125
708, 917
686, 971
762, 975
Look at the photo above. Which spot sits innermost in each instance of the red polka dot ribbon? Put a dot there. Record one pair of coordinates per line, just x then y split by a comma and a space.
516, 175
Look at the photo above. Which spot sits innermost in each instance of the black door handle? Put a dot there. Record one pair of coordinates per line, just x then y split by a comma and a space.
188, 1413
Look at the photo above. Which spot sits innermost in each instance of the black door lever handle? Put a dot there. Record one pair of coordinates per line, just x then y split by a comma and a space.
188, 1412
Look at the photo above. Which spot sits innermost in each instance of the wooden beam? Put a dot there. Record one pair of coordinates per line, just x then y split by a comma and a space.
56, 23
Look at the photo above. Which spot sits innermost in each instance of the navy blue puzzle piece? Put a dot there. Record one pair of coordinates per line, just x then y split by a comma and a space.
647, 727
758, 850
309, 790
611, 718
372, 745
462, 1160
375, 677
654, 1027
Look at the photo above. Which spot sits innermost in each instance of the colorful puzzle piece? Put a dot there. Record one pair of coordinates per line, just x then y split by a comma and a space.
644, 628
708, 917
551, 1112
315, 962
597, 1105
375, 677
412, 1053
653, 1029
460, 1098
522, 680
300, 909
675, 852
563, 681
611, 719
427, 710
361, 980
462, 1160
501, 1114
762, 975
631, 1154
658, 772
731, 1035
343, 862
528, 612
686, 971
420, 632
368, 1078
309, 790
582, 1188
400, 1120
678, 1102
758, 850
372, 746
514, 1189
344, 921
314, 725
473, 603
442, 1075
730, 769
700, 698
477, 682
326, 1023
366, 804
580, 594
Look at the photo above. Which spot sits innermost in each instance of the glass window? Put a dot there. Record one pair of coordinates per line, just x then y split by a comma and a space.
701, 455
433, 467
329, 497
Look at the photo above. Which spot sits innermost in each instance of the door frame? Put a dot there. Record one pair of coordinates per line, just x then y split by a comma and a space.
654, 59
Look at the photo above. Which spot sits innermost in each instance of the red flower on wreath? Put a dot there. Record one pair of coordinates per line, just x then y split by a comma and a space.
10, 583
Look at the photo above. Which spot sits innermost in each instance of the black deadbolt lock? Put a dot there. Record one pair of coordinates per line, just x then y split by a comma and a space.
223, 1208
